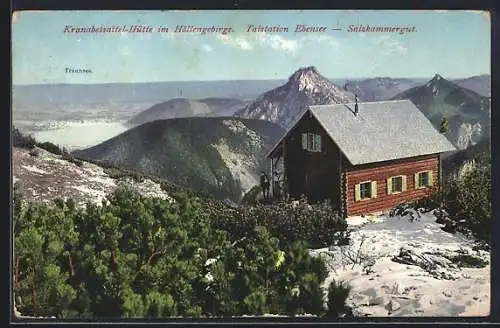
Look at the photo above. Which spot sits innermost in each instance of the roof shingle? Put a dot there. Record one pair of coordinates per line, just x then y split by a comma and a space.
381, 131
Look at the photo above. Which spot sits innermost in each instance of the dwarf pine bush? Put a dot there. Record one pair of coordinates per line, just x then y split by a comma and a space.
337, 295
466, 200
146, 257
316, 224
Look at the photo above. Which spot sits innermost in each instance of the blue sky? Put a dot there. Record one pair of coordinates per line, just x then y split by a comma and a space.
454, 44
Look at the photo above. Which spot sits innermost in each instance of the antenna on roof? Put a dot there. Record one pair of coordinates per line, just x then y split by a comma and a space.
356, 104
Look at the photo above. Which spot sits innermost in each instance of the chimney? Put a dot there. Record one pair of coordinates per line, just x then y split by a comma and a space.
356, 104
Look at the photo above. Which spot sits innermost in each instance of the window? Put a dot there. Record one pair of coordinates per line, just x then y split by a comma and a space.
365, 190
423, 179
311, 142
396, 184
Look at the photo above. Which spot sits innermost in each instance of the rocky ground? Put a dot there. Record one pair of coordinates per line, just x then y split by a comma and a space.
47, 176
404, 266
395, 265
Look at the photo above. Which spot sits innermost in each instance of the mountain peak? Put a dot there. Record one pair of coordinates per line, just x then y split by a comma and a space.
308, 79
306, 86
437, 77
438, 82
304, 73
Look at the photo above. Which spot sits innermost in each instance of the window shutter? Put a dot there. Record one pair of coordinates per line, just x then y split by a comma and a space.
357, 192
431, 179
304, 141
389, 186
374, 189
404, 182
416, 181
318, 142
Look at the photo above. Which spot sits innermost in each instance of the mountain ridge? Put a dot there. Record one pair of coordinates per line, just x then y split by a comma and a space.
379, 88
467, 111
220, 156
184, 107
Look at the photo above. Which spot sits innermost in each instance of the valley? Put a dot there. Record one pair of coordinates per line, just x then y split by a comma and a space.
213, 149
200, 165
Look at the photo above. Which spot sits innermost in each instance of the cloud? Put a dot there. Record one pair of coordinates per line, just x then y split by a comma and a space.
180, 36
145, 36
395, 47
390, 45
126, 51
238, 42
277, 42
273, 41
321, 39
483, 13
167, 36
382, 38
207, 48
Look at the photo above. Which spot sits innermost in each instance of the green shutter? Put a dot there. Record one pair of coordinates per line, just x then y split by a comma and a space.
374, 189
404, 183
416, 181
431, 179
357, 192
389, 186
304, 141
317, 142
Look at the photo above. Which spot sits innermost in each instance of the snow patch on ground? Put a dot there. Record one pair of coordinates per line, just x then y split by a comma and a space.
435, 90
149, 188
383, 287
63, 179
468, 134
34, 169
109, 182
96, 196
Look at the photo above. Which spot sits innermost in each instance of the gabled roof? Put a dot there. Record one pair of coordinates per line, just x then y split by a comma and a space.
381, 131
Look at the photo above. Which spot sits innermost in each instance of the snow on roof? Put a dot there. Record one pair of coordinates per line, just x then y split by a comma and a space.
381, 131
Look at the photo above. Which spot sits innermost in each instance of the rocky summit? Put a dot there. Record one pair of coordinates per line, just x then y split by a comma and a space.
283, 104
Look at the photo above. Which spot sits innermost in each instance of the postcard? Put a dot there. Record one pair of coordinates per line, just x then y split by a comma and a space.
287, 163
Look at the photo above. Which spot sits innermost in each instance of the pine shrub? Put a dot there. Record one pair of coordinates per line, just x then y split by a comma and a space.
337, 295
50, 147
464, 203
22, 141
317, 224
147, 257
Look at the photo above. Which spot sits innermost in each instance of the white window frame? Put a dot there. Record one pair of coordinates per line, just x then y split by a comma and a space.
357, 190
430, 179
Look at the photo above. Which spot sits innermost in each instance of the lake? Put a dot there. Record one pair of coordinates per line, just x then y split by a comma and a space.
81, 135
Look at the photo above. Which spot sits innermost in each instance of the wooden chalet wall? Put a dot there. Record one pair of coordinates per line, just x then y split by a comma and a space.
314, 174
380, 172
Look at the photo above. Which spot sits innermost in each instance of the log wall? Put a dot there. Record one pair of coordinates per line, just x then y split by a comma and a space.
380, 172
